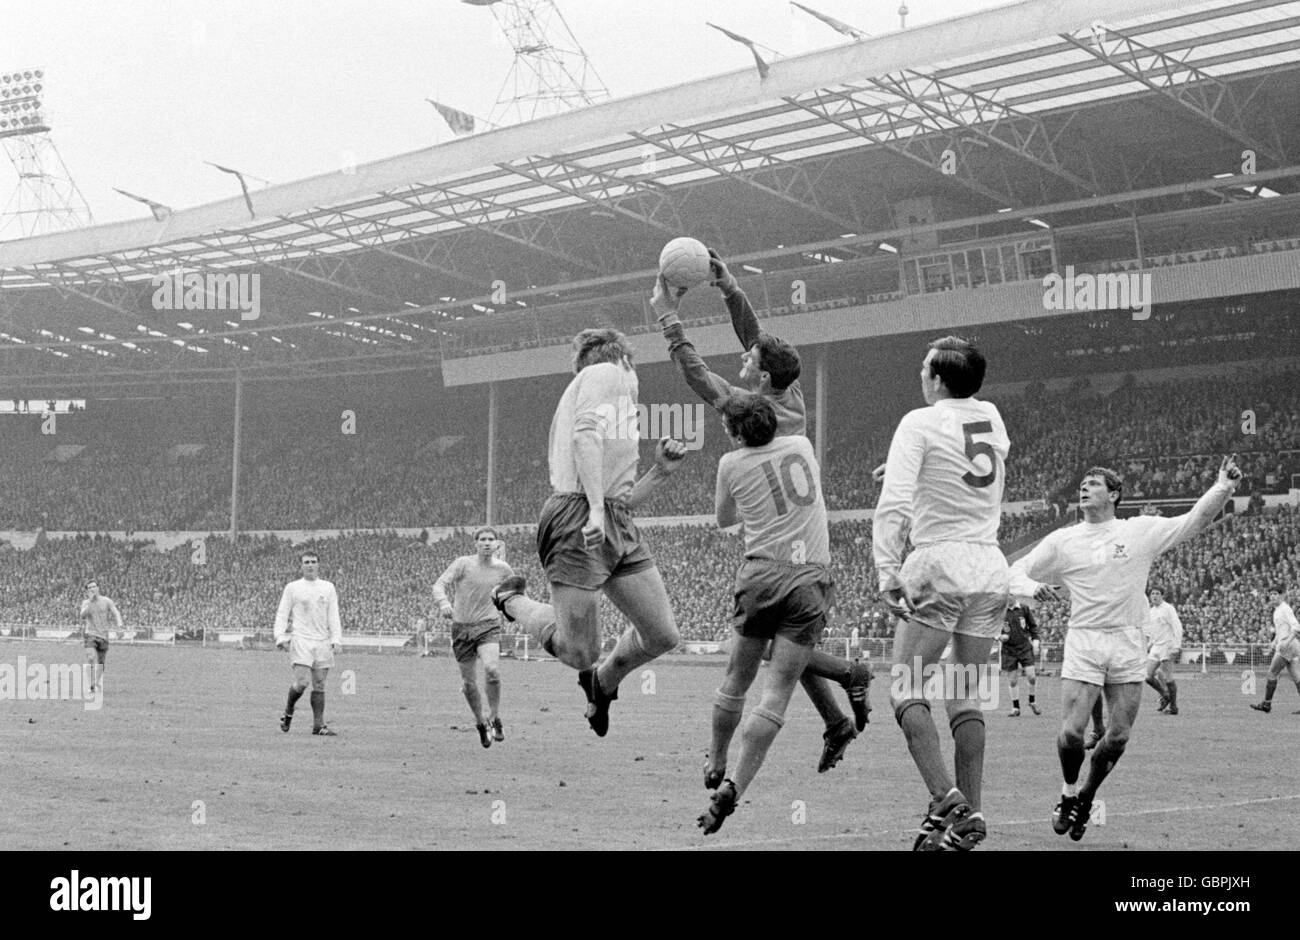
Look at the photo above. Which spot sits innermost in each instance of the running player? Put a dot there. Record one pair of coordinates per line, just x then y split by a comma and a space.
1166, 634
769, 367
587, 539
313, 638
95, 611
476, 627
1104, 562
1019, 639
783, 589
1286, 648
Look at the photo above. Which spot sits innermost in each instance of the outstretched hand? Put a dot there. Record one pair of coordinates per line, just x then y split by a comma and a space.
1229, 472
665, 301
669, 454
722, 279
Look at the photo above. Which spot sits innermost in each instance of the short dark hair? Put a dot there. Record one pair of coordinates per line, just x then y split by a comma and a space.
90, 581
1278, 589
1155, 587
485, 528
601, 345
305, 555
751, 418
1114, 482
779, 360
958, 364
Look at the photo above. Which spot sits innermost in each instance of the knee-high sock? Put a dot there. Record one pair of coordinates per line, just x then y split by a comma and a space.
1158, 684
830, 667
1104, 757
923, 743
968, 741
317, 709
628, 655
726, 718
472, 696
1172, 686
822, 696
755, 740
493, 684
1071, 754
1270, 687
295, 693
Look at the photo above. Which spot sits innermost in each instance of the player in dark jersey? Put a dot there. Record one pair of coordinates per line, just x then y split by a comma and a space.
769, 367
772, 485
1019, 650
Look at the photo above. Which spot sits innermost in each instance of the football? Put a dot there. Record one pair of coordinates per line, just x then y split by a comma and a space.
684, 263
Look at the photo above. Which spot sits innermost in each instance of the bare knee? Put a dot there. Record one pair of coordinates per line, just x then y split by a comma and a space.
663, 641
492, 674
1117, 739
1071, 737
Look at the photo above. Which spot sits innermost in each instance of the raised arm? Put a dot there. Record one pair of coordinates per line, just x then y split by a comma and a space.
711, 387
668, 456
1197, 519
743, 319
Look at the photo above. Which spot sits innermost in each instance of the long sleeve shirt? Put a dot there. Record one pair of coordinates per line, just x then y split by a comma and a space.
470, 583
944, 475
601, 399
314, 608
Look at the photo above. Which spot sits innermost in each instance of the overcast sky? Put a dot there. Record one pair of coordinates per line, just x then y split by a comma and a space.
139, 94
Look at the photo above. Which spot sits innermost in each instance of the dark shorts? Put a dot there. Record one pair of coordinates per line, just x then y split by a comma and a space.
566, 558
466, 638
1015, 656
778, 599
98, 644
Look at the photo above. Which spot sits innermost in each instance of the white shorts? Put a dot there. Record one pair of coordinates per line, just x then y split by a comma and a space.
318, 654
1160, 653
1104, 657
958, 587
1289, 651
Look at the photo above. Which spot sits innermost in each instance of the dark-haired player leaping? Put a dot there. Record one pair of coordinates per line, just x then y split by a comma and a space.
769, 367
1104, 562
772, 485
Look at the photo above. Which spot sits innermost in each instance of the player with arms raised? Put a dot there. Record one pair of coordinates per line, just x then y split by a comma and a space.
1104, 563
1286, 648
313, 637
476, 627
770, 367
95, 611
783, 589
944, 476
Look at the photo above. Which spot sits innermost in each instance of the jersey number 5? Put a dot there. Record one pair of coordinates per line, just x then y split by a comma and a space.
784, 488
975, 448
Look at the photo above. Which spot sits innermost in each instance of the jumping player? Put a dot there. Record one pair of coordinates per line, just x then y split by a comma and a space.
783, 589
1286, 648
95, 611
944, 476
1019, 639
476, 627
313, 638
587, 539
770, 367
1165, 630
1104, 562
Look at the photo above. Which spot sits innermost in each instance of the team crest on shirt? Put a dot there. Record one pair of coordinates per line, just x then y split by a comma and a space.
1121, 554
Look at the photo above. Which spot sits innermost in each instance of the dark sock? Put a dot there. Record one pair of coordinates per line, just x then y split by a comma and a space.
1173, 693
1269, 689
968, 758
1015, 703
295, 693
1104, 758
1071, 761
318, 709
1031, 698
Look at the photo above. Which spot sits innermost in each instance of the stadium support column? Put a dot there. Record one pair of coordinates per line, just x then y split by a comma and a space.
492, 455
821, 405
234, 457
1137, 241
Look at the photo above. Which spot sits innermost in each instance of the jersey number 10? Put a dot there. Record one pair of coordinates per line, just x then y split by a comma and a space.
783, 487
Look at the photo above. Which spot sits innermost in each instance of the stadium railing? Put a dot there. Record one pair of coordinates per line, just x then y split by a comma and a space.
60, 633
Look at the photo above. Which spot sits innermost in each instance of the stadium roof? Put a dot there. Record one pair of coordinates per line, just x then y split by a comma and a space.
365, 269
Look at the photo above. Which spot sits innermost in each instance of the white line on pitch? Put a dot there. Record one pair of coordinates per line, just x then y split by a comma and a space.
996, 824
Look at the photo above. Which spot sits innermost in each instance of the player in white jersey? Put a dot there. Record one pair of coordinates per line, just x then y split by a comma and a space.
783, 590
586, 537
1104, 562
1164, 632
476, 627
307, 624
1286, 648
95, 611
944, 476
